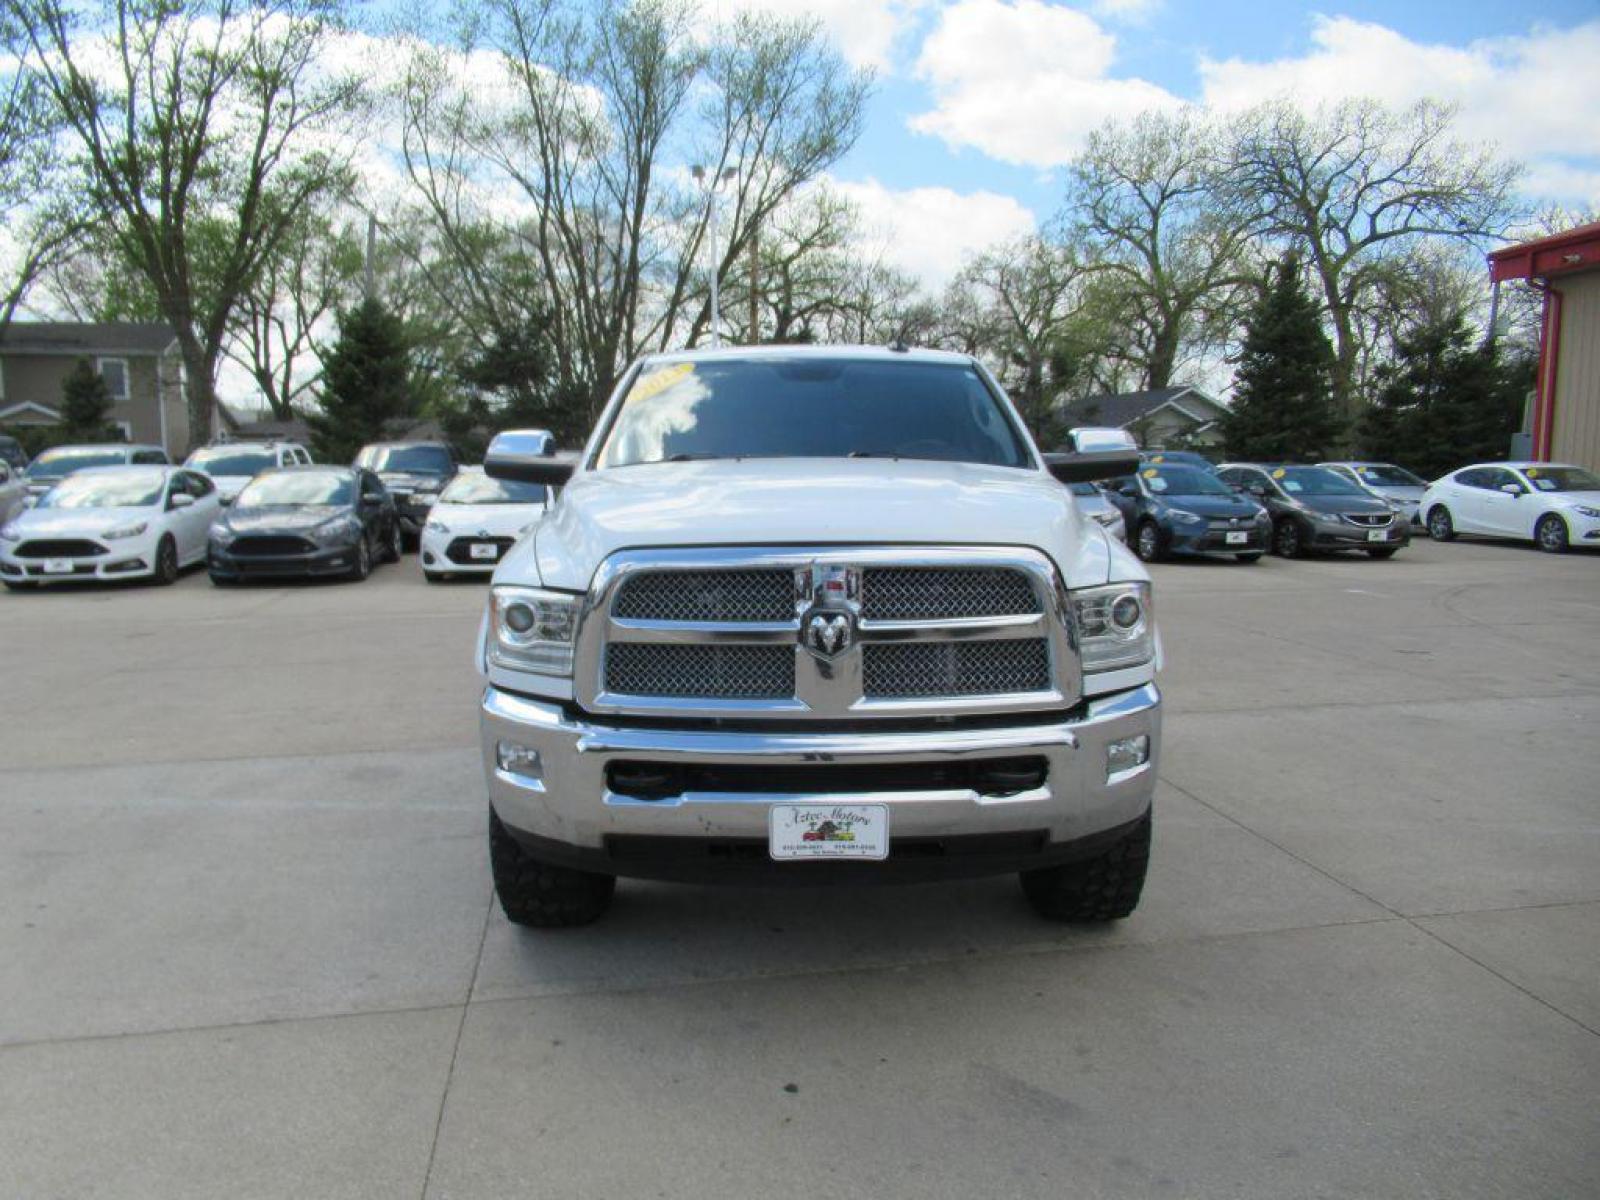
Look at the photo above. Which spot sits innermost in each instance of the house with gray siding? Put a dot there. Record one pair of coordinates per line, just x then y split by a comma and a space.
1160, 417
138, 360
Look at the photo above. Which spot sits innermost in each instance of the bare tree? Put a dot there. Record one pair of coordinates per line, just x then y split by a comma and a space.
202, 130
1167, 237
1352, 186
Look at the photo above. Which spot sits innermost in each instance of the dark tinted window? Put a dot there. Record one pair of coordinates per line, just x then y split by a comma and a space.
232, 460
150, 457
435, 460
53, 464
811, 408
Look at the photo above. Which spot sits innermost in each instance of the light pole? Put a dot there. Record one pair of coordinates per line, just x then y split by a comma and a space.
701, 174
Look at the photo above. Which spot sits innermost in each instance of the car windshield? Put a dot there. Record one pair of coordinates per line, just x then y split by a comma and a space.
431, 460
1383, 475
480, 489
805, 407
52, 464
1185, 458
1183, 481
1313, 481
232, 460
139, 489
1562, 479
297, 487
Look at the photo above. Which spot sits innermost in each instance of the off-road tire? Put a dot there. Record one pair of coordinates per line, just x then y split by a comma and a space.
1103, 888
1384, 552
540, 894
1550, 534
1441, 526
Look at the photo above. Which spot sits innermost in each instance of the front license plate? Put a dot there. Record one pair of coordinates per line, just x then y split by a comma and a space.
1377, 535
486, 550
839, 830
58, 566
1239, 538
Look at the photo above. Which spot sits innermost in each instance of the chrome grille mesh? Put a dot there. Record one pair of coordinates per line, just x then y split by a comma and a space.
1371, 520
704, 671
764, 595
978, 668
942, 593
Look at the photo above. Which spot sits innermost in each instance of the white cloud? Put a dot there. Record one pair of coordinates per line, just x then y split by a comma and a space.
864, 30
1129, 12
1024, 81
931, 232
1535, 94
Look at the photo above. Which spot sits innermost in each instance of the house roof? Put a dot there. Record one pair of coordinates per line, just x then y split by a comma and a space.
1574, 250
86, 338
1121, 409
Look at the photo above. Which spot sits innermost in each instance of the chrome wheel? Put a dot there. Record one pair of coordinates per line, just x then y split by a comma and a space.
1551, 534
1148, 543
1440, 527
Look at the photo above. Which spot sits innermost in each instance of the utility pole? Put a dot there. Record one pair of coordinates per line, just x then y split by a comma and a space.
701, 175
372, 249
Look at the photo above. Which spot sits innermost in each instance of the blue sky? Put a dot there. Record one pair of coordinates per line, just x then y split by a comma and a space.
980, 103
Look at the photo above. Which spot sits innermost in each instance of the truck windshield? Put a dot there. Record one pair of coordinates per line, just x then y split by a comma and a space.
806, 407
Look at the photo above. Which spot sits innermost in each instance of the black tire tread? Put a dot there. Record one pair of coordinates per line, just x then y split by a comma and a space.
1104, 888
540, 894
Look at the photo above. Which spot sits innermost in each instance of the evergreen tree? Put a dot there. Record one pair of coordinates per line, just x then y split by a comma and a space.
1283, 406
85, 402
366, 381
1445, 401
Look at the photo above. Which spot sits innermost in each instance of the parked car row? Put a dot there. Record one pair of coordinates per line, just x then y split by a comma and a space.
267, 512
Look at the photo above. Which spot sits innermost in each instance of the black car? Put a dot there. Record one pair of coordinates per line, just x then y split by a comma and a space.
1174, 509
415, 473
305, 521
1314, 508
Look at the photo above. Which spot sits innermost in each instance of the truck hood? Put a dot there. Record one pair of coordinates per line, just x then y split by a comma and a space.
808, 502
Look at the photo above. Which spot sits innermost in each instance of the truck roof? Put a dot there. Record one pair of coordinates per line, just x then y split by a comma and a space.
756, 353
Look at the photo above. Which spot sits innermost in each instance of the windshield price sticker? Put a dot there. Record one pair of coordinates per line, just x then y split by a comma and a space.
828, 831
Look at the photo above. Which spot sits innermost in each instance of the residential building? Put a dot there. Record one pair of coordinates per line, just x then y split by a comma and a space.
1168, 417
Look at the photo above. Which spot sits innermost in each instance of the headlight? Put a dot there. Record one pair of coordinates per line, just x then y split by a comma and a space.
437, 527
220, 534
337, 531
1580, 508
1325, 517
1183, 516
126, 531
532, 629
1115, 625
10, 533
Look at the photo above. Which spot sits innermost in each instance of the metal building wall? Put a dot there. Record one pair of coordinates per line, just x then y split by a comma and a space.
1575, 432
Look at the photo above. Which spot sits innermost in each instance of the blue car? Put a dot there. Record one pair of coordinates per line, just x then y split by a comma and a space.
1183, 510
1177, 458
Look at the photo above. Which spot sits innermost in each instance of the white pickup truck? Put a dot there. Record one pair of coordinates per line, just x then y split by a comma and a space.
808, 615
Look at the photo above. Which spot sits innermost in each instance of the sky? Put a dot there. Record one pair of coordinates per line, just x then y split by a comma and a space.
980, 104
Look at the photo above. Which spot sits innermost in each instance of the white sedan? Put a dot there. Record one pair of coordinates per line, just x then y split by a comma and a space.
475, 521
111, 523
1553, 505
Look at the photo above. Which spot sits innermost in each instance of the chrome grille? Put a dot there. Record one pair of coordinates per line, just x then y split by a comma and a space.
1373, 520
943, 593
766, 595
977, 668
720, 671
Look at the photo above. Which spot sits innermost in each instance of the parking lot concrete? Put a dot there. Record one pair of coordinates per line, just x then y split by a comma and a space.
248, 945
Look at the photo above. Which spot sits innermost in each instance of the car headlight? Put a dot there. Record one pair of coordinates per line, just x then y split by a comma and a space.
337, 531
10, 533
126, 531
219, 534
1115, 625
437, 527
531, 629
1586, 511
1184, 517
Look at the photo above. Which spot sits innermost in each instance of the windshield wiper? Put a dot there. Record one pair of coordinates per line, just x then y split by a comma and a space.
872, 454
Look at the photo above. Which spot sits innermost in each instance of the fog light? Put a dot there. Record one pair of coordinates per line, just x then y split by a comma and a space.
1126, 753
518, 760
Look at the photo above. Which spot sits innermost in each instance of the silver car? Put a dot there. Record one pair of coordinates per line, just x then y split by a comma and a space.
1092, 502
1398, 486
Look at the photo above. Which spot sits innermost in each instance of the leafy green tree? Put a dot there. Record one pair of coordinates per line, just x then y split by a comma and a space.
1445, 400
366, 381
1283, 406
85, 402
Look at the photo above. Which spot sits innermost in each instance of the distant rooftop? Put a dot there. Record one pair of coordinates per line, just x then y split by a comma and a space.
78, 337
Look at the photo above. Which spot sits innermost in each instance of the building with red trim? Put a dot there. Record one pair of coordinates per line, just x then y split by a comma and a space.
1566, 410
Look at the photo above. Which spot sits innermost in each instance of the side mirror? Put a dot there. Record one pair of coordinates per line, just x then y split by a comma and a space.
528, 456
181, 500
1087, 467
1511, 489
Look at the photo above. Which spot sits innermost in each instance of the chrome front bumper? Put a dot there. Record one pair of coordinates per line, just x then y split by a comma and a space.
565, 805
